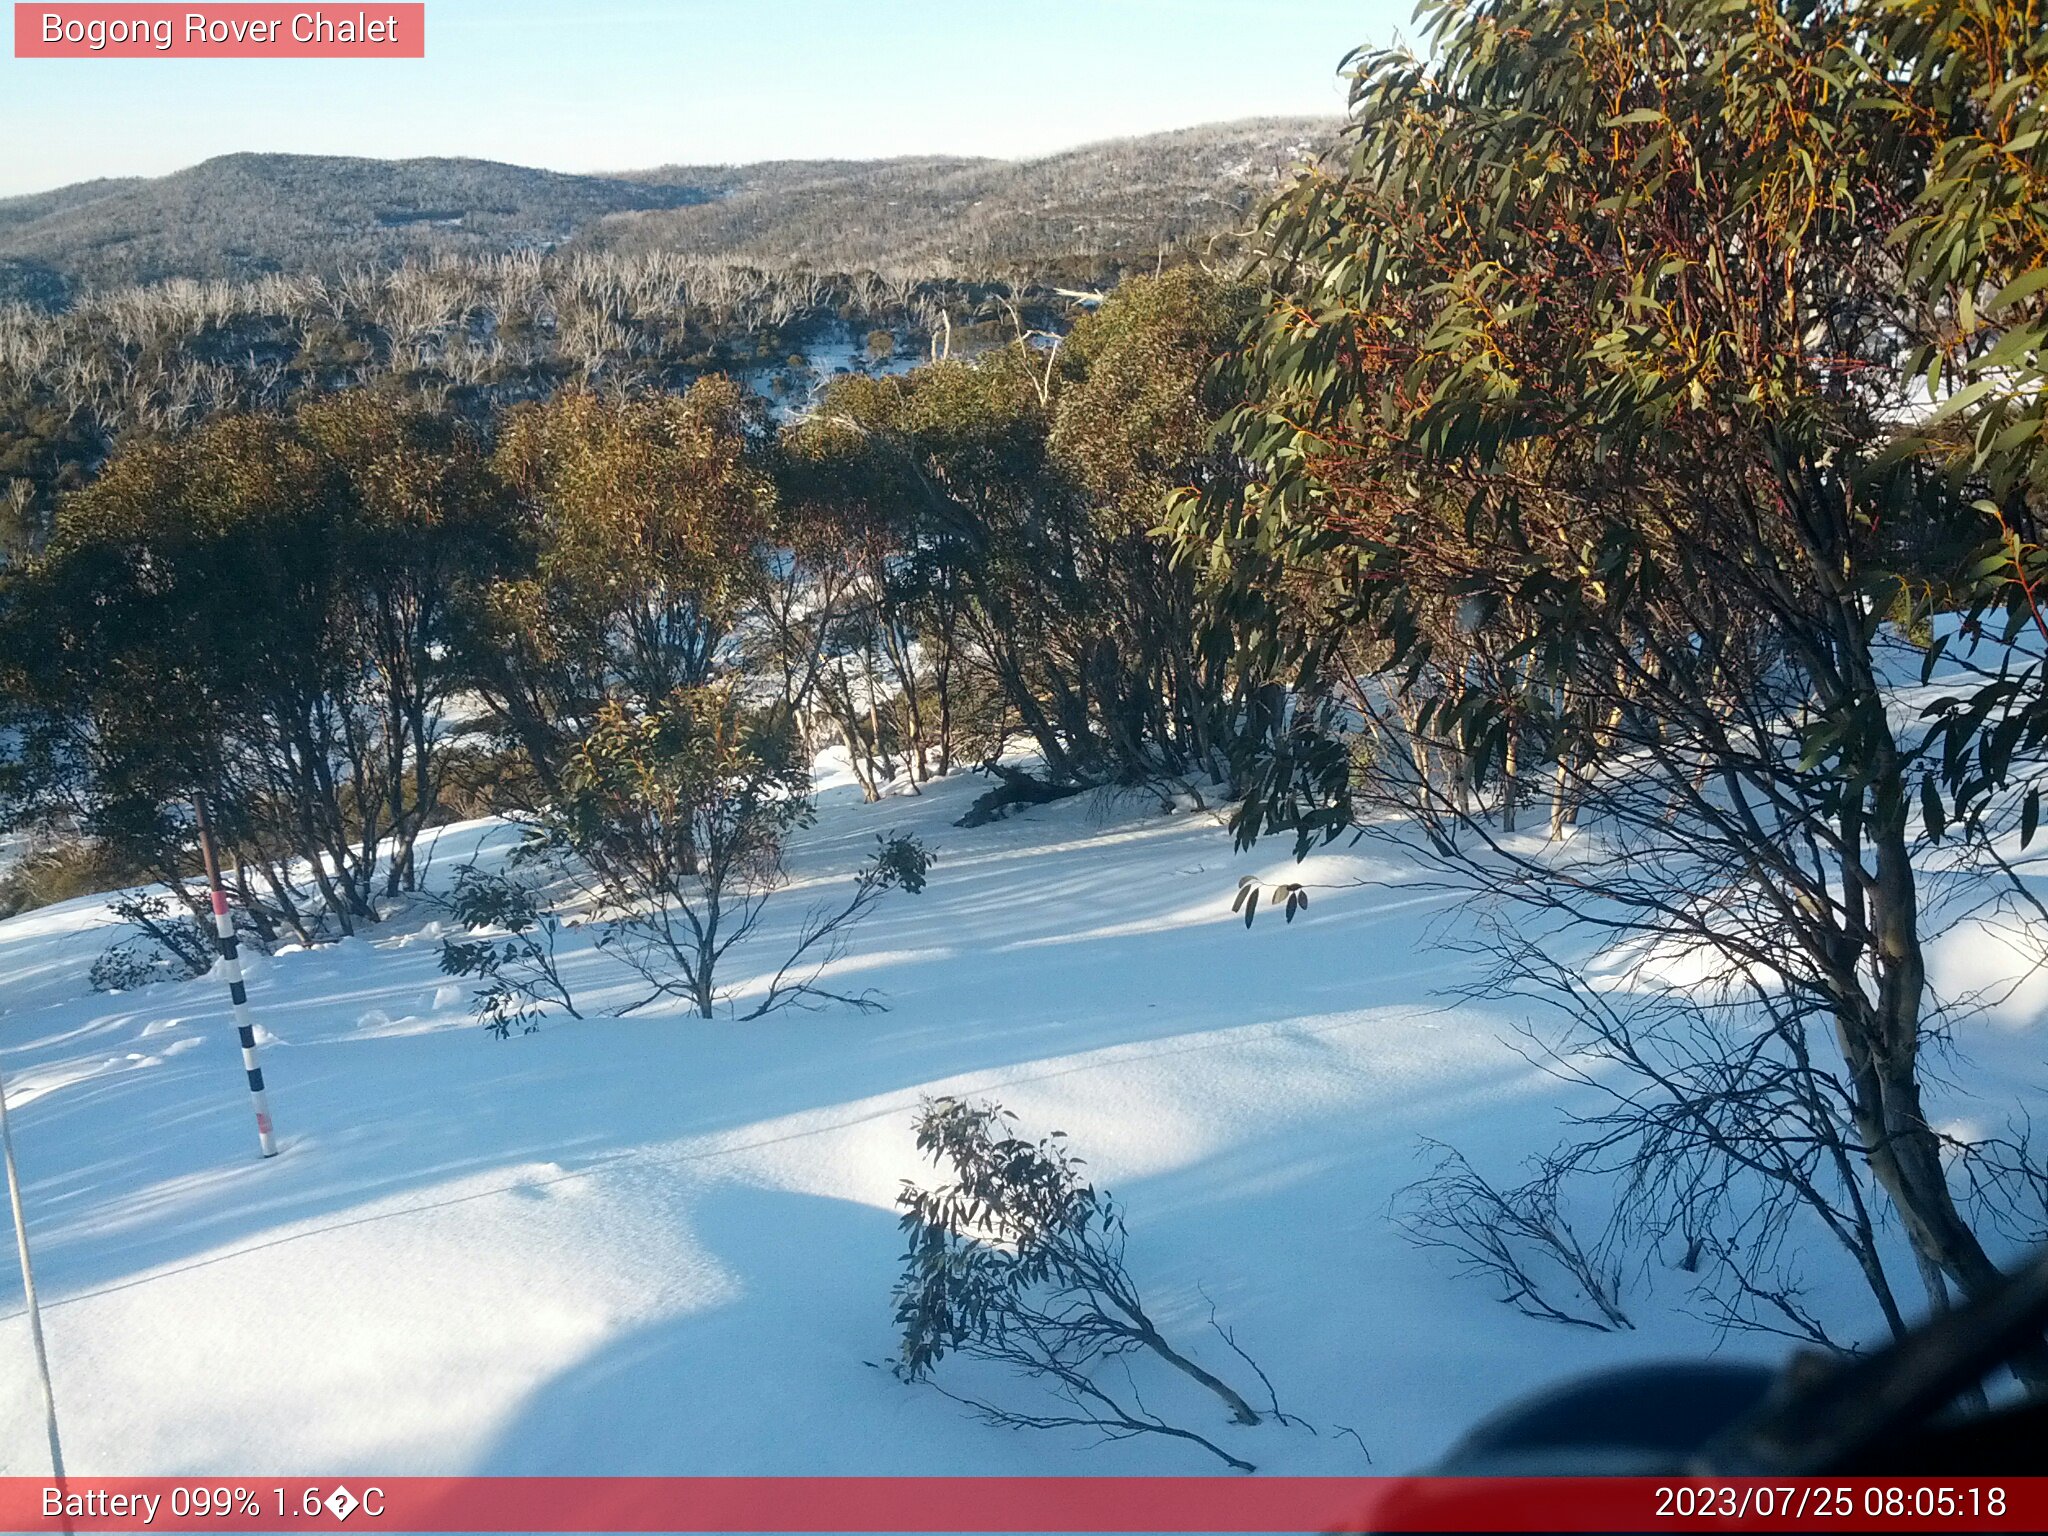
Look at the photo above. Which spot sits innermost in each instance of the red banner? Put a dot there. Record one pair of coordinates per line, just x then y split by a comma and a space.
1016, 1504
241, 31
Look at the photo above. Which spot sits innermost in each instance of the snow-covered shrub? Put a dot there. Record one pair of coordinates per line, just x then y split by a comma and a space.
168, 945
1019, 1260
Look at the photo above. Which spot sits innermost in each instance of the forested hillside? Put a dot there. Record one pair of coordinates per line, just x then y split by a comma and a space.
1087, 210
253, 278
244, 215
469, 333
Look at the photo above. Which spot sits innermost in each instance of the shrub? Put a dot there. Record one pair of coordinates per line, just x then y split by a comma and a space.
520, 971
168, 945
679, 816
1020, 1260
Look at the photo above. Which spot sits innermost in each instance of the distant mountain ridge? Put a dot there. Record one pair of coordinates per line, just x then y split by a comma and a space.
242, 215
1120, 198
245, 214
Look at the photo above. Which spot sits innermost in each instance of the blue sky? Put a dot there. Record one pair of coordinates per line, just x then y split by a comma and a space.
618, 84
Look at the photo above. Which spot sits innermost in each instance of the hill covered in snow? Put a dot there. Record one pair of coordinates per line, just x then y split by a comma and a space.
664, 1245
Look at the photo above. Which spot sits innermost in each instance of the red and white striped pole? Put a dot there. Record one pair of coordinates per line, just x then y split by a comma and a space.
238, 994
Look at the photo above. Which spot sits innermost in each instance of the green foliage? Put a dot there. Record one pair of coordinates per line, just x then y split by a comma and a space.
260, 609
1136, 419
1007, 506
643, 524
520, 972
1019, 1260
694, 781
1012, 1219
167, 943
1289, 895
1967, 85
1591, 276
900, 862
679, 813
674, 820
1596, 424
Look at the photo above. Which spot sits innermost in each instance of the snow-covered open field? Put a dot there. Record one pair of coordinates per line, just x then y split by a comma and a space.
660, 1245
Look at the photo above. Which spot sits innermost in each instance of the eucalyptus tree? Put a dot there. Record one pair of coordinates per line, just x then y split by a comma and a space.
1577, 410
1970, 81
1004, 509
676, 818
642, 524
257, 610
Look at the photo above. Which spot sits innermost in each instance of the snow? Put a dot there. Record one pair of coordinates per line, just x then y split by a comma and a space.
665, 1245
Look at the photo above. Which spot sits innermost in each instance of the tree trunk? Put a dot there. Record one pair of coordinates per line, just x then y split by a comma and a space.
1880, 1042
1509, 785
1240, 1410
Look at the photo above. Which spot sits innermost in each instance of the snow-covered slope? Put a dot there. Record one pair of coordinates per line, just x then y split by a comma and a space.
665, 1245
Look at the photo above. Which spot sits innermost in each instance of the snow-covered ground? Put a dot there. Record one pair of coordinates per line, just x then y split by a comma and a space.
661, 1245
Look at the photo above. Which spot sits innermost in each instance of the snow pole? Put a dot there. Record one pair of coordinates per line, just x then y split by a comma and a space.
238, 994
28, 1287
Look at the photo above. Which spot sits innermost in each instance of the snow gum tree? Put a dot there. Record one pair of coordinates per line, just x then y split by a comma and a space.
1019, 1260
1577, 416
677, 816
643, 524
1002, 513
1971, 81
261, 609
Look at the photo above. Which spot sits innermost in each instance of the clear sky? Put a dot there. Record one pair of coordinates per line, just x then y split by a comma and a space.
620, 84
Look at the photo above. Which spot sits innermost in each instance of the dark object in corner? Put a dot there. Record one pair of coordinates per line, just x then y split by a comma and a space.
1890, 1413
